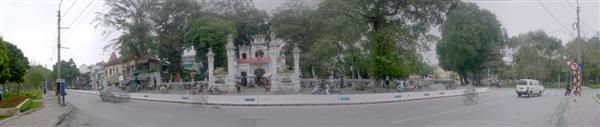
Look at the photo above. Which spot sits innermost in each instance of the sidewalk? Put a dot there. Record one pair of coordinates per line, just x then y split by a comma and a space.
584, 112
48, 116
303, 91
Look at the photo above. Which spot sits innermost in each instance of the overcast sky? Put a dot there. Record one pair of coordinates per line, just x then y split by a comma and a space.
31, 24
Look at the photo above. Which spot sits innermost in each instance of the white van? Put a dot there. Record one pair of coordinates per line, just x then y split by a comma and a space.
529, 87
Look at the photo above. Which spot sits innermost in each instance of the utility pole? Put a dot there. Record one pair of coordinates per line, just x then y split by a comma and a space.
59, 81
578, 35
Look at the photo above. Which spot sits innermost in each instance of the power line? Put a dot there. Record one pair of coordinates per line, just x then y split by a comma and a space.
547, 10
592, 28
84, 10
67, 12
78, 24
572, 6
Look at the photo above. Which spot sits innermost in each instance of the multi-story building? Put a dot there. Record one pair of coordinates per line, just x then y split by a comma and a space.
142, 72
97, 76
113, 70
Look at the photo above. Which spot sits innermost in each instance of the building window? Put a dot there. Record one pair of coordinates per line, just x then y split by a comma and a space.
259, 54
243, 55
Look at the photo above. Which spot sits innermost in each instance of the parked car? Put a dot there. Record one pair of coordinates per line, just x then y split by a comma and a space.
114, 94
529, 87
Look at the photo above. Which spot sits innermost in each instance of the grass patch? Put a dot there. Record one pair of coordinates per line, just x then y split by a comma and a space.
12, 101
36, 104
3, 117
32, 93
25, 106
594, 85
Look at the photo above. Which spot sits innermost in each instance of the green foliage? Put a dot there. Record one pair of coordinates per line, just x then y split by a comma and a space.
26, 106
32, 93
68, 71
211, 33
590, 55
471, 39
129, 17
18, 63
13, 65
538, 56
3, 117
36, 75
248, 20
4, 62
383, 60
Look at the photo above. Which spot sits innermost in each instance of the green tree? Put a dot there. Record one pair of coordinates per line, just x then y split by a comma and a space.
4, 64
248, 20
68, 71
382, 53
173, 20
129, 19
471, 38
537, 55
590, 57
396, 24
212, 33
36, 75
18, 63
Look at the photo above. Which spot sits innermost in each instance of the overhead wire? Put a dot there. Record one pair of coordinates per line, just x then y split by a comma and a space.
551, 14
67, 12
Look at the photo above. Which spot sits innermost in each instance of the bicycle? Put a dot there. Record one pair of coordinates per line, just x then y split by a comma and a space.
214, 90
471, 97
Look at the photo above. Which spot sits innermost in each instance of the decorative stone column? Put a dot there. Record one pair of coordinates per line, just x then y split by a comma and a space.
296, 52
274, 54
296, 77
231, 65
211, 67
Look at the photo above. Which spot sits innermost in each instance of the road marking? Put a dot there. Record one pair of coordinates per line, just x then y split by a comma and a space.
165, 115
449, 111
127, 107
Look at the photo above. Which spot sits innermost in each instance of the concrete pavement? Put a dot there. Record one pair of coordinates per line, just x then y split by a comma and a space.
499, 108
48, 116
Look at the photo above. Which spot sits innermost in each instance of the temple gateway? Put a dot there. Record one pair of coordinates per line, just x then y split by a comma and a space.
262, 59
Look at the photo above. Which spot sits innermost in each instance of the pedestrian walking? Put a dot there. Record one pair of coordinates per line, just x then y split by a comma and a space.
568, 90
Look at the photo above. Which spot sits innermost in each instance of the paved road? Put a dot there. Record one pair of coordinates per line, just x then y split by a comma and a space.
499, 108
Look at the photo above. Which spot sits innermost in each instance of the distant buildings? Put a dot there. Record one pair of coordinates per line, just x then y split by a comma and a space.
97, 75
140, 73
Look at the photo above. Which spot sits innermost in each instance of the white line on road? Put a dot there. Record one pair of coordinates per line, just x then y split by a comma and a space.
165, 115
449, 111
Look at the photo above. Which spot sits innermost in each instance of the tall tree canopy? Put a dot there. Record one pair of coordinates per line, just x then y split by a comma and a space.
36, 75
18, 63
130, 19
471, 38
537, 56
211, 33
4, 62
590, 57
68, 71
404, 22
248, 19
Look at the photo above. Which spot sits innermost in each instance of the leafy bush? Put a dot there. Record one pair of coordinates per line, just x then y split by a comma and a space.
594, 85
12, 101
25, 106
36, 104
3, 117
33, 94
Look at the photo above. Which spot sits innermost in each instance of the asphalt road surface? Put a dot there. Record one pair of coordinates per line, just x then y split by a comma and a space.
498, 108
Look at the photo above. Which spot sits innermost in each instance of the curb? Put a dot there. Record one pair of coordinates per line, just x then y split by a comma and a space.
62, 117
22, 114
595, 96
255, 105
